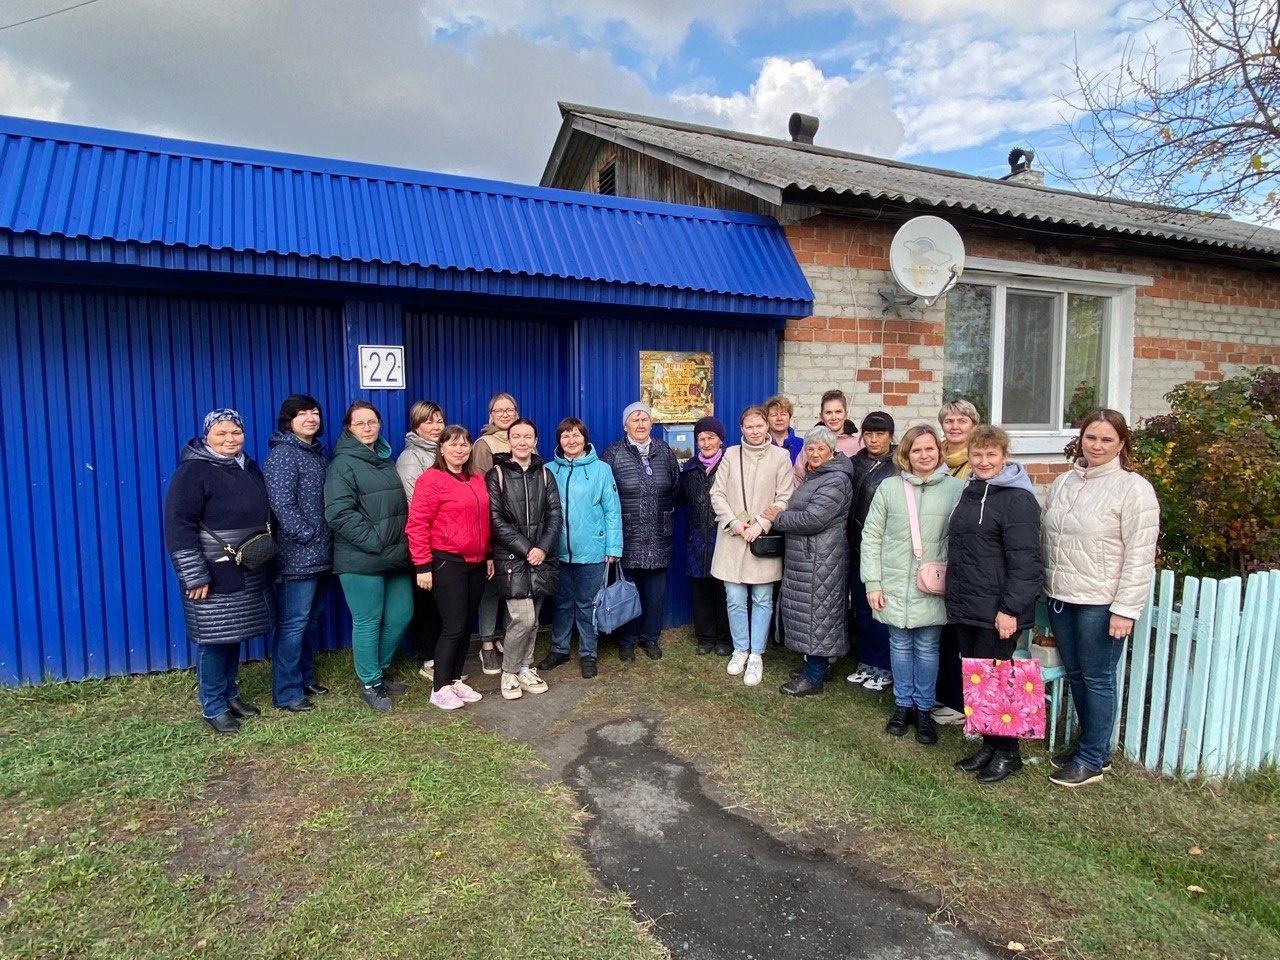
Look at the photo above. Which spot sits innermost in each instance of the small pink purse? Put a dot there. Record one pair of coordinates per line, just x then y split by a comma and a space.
931, 576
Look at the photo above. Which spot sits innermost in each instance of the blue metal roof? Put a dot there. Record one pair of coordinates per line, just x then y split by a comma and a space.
88, 184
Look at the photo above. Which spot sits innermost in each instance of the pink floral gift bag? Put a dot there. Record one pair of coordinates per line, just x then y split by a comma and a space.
1003, 698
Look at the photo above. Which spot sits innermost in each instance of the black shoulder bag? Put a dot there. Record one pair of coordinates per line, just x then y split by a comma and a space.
253, 552
766, 545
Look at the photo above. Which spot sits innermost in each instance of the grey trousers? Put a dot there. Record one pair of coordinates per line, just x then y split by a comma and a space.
522, 631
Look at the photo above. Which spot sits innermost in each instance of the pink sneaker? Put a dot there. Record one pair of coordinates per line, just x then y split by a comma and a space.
465, 693
446, 699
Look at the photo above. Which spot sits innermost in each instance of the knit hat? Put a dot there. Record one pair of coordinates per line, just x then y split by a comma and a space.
636, 407
217, 416
876, 421
709, 425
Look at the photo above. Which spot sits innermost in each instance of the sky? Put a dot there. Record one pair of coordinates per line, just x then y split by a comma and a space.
471, 86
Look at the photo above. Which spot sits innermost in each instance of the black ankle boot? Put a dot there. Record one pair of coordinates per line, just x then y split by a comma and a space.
1002, 766
902, 718
925, 733
978, 761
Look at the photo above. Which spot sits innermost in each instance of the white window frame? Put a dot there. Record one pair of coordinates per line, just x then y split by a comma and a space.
1120, 290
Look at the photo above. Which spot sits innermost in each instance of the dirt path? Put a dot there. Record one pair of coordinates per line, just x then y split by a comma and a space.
715, 884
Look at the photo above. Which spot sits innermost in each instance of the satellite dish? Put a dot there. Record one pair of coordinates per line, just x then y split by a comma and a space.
926, 257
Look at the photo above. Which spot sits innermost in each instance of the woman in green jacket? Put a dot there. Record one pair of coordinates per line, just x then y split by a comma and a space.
365, 506
890, 565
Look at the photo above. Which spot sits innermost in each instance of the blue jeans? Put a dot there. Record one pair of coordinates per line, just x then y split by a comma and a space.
815, 668
1090, 656
217, 668
652, 586
579, 584
914, 654
300, 603
749, 636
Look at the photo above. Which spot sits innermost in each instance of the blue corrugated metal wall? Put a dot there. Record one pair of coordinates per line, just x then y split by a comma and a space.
100, 390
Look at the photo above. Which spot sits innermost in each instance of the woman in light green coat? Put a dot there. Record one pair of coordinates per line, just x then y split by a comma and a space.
889, 568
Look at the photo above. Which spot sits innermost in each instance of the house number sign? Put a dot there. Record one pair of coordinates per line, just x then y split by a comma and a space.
381, 367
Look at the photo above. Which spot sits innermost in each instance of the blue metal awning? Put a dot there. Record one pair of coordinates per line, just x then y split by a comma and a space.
103, 186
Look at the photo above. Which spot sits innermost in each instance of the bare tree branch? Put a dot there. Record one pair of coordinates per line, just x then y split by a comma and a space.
1209, 136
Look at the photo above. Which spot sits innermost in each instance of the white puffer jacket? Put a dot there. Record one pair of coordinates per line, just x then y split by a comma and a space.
1099, 536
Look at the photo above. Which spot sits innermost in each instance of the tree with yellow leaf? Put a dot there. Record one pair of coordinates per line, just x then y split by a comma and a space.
1191, 120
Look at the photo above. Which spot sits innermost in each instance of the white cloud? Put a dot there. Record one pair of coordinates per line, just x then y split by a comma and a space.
854, 114
31, 93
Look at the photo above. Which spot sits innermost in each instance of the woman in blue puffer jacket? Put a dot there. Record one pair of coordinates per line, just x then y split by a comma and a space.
294, 471
590, 538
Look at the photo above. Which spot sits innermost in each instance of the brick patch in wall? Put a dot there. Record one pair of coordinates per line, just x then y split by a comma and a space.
1045, 473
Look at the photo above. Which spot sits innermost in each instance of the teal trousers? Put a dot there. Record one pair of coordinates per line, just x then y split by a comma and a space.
381, 607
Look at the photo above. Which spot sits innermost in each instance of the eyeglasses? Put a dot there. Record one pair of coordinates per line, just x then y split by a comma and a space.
503, 410
365, 424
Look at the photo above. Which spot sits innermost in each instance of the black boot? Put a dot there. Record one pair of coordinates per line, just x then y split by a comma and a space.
902, 718
1002, 766
978, 761
925, 733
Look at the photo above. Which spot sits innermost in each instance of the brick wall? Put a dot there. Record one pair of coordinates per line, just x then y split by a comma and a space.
1197, 321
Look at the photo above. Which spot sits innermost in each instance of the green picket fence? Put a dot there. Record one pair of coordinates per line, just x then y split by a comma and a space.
1199, 689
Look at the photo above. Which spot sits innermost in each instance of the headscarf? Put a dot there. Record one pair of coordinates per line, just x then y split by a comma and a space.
217, 416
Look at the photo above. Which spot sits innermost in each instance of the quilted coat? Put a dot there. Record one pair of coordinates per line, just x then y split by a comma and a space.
592, 527
888, 560
524, 507
694, 491
232, 501
993, 551
765, 472
294, 471
418, 454
816, 568
868, 473
1099, 537
365, 505
648, 502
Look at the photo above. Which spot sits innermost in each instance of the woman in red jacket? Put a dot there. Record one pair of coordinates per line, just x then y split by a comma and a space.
449, 541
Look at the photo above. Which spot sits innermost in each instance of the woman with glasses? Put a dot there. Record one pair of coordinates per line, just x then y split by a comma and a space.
421, 446
365, 506
495, 438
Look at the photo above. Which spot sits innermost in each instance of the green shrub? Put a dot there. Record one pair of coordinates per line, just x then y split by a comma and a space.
1214, 460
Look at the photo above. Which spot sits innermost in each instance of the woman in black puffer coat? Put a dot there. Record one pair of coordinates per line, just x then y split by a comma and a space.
646, 472
524, 505
994, 573
217, 491
710, 611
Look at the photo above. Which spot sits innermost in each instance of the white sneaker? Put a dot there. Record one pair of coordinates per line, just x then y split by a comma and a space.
878, 682
946, 716
530, 682
511, 687
428, 671
737, 662
755, 670
860, 676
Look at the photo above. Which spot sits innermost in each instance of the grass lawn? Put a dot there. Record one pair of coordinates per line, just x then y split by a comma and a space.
128, 830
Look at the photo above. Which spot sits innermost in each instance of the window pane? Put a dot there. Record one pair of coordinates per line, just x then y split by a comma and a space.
1028, 358
1082, 384
967, 368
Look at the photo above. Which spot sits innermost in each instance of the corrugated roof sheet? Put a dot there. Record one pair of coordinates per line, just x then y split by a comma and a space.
787, 165
78, 182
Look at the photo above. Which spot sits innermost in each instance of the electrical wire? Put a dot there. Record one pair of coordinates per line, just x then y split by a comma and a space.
46, 16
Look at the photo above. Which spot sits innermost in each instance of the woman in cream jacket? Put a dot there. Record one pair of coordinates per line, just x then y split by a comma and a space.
760, 472
1099, 536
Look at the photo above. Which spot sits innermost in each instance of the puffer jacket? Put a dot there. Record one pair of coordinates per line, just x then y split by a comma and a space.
1099, 538
366, 508
888, 560
231, 501
592, 528
489, 444
993, 551
450, 515
524, 508
294, 472
648, 502
868, 473
765, 474
694, 491
418, 454
816, 567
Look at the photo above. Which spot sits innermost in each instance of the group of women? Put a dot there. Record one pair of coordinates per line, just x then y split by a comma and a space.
843, 522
